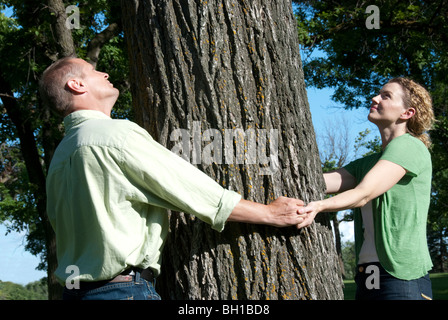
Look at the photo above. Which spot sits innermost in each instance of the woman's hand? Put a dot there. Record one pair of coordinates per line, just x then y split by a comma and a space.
309, 212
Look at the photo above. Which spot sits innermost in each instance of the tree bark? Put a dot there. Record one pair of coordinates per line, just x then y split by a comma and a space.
63, 34
213, 68
337, 237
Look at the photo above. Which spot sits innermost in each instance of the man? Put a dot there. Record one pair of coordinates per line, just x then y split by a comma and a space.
109, 185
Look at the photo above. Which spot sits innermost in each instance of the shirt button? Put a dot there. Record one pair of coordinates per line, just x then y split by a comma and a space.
361, 269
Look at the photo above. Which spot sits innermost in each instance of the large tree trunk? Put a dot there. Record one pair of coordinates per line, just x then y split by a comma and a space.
228, 65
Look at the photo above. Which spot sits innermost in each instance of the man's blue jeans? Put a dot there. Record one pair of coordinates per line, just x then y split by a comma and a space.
388, 287
138, 289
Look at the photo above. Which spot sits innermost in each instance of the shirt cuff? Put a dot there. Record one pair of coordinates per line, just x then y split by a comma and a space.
228, 202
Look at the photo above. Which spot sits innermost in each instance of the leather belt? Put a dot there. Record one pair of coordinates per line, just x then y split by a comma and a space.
126, 276
147, 274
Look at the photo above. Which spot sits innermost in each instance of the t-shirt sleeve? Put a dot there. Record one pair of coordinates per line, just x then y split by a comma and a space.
359, 168
406, 151
353, 167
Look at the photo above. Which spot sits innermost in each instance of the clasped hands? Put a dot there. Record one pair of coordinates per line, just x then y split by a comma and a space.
292, 212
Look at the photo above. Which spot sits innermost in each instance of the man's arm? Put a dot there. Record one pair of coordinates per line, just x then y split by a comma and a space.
166, 180
282, 212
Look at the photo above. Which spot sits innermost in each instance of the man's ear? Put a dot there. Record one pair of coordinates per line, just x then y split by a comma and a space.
408, 114
76, 86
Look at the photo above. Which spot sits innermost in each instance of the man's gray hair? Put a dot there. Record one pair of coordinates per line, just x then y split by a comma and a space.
53, 84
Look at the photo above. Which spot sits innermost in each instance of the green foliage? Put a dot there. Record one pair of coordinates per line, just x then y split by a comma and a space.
439, 283
349, 258
411, 42
33, 291
371, 146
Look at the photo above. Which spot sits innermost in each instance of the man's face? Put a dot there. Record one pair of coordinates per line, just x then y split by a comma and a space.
96, 83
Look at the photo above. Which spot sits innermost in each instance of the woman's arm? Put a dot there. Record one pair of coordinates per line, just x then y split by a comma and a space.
383, 176
339, 181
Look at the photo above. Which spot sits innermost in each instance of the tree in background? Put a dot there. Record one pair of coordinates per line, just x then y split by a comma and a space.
338, 148
409, 39
212, 66
37, 290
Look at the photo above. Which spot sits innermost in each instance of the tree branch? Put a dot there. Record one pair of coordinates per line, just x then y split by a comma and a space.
95, 45
25, 133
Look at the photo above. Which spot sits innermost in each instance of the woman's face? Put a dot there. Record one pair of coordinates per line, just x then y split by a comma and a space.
388, 106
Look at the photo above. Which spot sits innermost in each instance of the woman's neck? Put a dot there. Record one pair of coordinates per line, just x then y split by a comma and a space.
388, 134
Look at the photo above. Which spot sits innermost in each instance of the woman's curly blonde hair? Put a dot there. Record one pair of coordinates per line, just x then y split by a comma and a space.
417, 97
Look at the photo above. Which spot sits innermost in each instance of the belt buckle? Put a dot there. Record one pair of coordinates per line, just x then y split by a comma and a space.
122, 278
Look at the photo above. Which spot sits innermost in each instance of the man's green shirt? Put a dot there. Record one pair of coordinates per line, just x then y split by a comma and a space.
400, 214
109, 187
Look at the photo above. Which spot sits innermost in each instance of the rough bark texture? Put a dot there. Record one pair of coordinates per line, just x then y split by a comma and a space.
63, 34
228, 64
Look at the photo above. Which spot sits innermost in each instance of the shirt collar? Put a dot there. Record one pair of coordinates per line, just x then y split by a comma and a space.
80, 116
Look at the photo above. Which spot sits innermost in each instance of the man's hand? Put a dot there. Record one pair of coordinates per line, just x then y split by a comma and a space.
282, 212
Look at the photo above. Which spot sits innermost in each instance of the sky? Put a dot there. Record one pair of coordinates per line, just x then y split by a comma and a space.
325, 111
16, 264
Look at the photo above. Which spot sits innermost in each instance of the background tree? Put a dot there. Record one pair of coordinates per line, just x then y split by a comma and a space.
338, 148
334, 144
411, 41
227, 65
349, 259
32, 291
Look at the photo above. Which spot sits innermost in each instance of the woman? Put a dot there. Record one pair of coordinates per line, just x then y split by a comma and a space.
390, 192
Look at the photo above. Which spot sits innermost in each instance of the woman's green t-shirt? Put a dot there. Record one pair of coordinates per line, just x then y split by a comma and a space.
400, 214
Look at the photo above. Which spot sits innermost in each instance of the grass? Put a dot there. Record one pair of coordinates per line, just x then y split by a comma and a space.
439, 287
349, 289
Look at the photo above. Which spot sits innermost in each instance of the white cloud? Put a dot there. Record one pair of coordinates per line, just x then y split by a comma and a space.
347, 231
